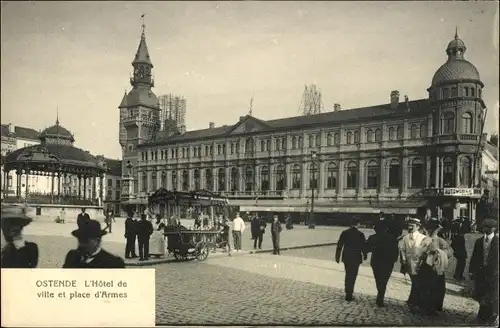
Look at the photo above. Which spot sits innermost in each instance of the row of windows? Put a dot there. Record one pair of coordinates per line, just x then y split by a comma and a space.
466, 92
372, 135
448, 123
373, 176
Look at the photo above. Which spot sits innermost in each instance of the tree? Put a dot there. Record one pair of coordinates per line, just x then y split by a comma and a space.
494, 139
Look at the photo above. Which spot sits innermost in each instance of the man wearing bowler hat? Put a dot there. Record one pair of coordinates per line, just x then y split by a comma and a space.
89, 254
82, 217
17, 253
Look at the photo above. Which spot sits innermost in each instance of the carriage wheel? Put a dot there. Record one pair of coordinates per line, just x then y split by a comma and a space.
202, 251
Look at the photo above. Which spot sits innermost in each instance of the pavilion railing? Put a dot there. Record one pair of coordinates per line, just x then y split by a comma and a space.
48, 199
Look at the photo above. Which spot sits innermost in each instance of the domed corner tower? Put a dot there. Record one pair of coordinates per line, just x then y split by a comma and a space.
457, 118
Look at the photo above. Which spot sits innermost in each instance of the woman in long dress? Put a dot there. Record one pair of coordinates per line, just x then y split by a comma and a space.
157, 241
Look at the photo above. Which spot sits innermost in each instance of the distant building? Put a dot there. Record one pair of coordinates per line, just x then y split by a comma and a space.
112, 185
173, 108
489, 176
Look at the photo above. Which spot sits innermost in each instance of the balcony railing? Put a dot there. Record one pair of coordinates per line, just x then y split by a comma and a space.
48, 200
254, 194
453, 192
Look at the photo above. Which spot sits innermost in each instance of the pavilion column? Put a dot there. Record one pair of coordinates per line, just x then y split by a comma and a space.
18, 184
5, 183
93, 188
79, 186
100, 187
59, 185
84, 187
27, 185
52, 187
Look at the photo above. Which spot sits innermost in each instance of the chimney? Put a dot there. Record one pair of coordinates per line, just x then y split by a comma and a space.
12, 128
211, 125
394, 99
336, 107
182, 129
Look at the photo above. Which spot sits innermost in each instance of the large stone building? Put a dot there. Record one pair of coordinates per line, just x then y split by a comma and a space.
394, 157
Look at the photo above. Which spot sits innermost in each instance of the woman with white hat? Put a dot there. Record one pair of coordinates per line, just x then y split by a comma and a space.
17, 253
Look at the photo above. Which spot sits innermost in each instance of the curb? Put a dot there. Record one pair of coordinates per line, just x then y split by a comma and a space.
292, 247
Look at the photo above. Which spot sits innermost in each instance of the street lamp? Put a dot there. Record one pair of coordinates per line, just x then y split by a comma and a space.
312, 223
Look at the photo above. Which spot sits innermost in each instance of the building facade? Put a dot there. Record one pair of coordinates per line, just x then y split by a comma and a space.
394, 157
112, 186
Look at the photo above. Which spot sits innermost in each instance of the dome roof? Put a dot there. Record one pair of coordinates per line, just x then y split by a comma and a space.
142, 96
456, 43
455, 70
57, 131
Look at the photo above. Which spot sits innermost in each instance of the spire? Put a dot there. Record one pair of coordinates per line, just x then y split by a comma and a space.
123, 103
251, 106
456, 48
57, 116
142, 55
456, 32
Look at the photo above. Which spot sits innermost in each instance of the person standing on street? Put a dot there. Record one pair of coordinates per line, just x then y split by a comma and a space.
483, 270
385, 252
275, 234
258, 228
238, 228
351, 245
89, 254
459, 251
410, 252
130, 236
17, 253
82, 217
62, 215
144, 231
157, 245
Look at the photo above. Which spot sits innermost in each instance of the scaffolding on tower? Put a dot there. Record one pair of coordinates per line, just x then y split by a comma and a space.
311, 102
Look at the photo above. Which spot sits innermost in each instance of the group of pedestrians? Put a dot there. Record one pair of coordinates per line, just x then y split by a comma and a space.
258, 229
147, 234
89, 254
424, 257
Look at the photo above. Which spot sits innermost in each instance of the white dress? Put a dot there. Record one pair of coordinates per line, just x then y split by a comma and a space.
157, 240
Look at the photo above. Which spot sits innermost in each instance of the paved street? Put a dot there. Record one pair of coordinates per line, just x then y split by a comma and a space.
268, 289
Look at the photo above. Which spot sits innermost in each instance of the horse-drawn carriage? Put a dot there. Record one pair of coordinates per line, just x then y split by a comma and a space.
184, 243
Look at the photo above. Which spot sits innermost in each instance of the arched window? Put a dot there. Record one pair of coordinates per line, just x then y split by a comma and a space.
479, 94
296, 177
249, 178
280, 177
264, 178
294, 142
369, 135
144, 178
356, 137
331, 176
209, 179
417, 174
163, 179
448, 123
299, 143
249, 146
336, 138
174, 180
268, 145
313, 176
394, 174
277, 144
378, 135
196, 175
423, 130
454, 92
311, 140
283, 143
472, 91
221, 180
373, 175
207, 152
329, 139
195, 150
349, 138
352, 175
318, 140
154, 179
413, 131
465, 172
400, 133
467, 122
224, 149
262, 145
185, 180
234, 179
392, 133
183, 153
232, 148
448, 172
446, 93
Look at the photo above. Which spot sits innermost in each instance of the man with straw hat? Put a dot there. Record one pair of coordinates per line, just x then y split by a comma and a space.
17, 253
410, 258
483, 270
89, 254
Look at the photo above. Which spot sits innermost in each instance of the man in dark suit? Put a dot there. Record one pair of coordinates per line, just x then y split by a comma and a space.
459, 251
385, 252
483, 269
83, 217
144, 231
89, 254
275, 234
258, 227
130, 236
351, 245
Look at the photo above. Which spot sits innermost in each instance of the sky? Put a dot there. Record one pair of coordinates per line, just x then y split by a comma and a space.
75, 58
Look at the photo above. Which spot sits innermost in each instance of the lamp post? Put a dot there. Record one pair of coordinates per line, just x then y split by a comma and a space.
312, 171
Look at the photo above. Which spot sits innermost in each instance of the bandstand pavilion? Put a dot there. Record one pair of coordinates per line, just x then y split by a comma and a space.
74, 174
